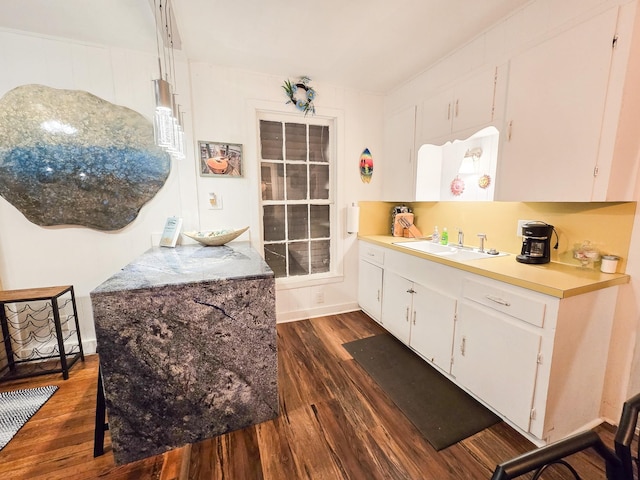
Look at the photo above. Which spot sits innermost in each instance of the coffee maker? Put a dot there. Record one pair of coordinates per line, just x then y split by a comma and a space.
536, 243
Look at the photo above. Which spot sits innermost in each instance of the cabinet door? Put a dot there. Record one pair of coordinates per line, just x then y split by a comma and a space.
399, 162
370, 289
473, 101
497, 360
432, 325
436, 115
396, 306
467, 106
555, 105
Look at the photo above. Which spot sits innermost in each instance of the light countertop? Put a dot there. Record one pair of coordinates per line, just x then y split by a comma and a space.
555, 279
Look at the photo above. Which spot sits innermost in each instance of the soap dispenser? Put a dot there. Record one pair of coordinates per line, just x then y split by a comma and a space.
444, 239
435, 237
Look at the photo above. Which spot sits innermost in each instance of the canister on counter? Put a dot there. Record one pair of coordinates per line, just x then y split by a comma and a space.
609, 264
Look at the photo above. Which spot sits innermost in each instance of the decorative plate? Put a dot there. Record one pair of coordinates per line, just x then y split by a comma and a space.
214, 238
457, 186
484, 181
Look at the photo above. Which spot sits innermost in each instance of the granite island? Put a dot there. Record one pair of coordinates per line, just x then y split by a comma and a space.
187, 345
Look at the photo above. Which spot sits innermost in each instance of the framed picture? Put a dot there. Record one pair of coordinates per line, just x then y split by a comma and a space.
220, 159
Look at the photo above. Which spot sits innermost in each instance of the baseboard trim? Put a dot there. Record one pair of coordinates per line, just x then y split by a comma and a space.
294, 316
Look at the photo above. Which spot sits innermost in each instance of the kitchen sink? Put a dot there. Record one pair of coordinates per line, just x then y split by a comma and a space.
452, 252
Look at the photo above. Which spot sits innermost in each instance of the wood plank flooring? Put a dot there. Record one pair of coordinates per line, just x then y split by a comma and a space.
335, 423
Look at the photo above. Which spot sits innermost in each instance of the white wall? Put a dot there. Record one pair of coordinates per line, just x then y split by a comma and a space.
225, 102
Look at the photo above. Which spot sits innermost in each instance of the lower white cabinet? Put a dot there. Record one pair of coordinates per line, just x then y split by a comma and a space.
433, 325
536, 360
397, 309
418, 308
497, 360
420, 317
370, 272
370, 289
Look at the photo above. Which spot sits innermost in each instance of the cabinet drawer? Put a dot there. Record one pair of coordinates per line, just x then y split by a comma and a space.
372, 253
530, 310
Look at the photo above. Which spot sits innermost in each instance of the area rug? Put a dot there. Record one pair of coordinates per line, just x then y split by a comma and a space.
17, 407
441, 411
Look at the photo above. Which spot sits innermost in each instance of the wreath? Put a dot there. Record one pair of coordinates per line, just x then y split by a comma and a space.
301, 95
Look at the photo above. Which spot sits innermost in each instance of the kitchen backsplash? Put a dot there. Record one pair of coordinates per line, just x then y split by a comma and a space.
607, 225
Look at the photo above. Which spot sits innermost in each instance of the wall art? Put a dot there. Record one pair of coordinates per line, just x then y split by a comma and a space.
301, 95
68, 157
220, 159
366, 166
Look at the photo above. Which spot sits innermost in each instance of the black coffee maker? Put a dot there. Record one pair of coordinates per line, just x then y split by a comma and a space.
536, 243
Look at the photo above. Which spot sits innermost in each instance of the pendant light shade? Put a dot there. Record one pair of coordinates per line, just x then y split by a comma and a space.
163, 115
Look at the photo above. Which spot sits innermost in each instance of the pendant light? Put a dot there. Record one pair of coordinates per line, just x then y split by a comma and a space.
163, 115
165, 118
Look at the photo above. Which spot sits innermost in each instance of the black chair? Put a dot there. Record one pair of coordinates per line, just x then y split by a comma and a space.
625, 434
555, 453
620, 464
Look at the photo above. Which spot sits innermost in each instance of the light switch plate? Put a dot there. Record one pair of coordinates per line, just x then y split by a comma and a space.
215, 201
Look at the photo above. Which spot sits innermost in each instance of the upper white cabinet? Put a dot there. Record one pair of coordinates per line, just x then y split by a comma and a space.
554, 115
468, 105
399, 162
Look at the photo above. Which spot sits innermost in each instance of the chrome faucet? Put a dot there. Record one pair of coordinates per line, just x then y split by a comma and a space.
482, 237
460, 237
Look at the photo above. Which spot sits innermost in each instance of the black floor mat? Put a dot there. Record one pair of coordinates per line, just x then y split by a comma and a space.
443, 412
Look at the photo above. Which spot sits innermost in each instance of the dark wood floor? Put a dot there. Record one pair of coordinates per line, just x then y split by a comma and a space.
335, 423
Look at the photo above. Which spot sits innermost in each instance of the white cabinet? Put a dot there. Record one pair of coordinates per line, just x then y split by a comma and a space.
534, 359
420, 317
398, 165
497, 359
370, 279
467, 105
397, 310
554, 115
432, 325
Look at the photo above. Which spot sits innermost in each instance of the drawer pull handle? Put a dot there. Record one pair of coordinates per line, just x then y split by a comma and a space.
498, 300
463, 346
371, 254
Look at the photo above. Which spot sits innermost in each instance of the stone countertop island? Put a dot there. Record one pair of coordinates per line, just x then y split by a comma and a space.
187, 344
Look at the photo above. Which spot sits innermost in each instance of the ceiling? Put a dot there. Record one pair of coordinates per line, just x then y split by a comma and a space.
371, 45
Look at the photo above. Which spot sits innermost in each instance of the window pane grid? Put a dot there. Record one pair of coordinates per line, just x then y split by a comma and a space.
297, 185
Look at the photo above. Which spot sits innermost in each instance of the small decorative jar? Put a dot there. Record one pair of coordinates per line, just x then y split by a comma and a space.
609, 264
